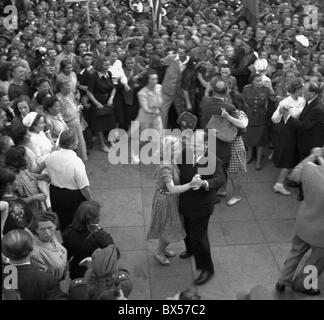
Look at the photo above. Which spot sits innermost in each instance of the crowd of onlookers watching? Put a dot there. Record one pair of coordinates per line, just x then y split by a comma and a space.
65, 84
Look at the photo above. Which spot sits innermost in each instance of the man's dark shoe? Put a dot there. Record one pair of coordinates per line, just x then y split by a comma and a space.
280, 287
308, 292
204, 277
185, 255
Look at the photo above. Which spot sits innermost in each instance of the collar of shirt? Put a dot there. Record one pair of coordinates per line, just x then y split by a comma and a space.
83, 70
105, 75
310, 101
177, 58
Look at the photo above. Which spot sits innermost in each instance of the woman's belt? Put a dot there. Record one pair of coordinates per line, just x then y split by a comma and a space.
162, 191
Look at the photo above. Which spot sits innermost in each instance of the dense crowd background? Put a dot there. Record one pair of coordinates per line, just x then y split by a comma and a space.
64, 84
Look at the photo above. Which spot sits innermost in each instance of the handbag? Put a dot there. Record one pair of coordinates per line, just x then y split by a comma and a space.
106, 110
227, 132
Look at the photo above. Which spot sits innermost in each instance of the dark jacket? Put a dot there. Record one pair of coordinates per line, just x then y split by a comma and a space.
81, 245
210, 106
37, 285
257, 100
310, 126
193, 202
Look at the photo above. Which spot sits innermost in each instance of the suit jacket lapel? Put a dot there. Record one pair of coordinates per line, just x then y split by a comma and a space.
307, 108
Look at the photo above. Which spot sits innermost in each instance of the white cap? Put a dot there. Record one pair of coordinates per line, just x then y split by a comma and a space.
29, 119
302, 40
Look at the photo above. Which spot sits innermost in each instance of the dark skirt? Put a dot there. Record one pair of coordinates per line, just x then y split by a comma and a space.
65, 202
257, 136
101, 123
223, 152
285, 147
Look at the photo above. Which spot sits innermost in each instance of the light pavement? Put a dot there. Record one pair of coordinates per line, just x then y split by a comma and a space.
249, 241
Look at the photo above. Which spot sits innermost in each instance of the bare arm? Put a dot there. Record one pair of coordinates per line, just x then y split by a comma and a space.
177, 189
187, 99
86, 192
202, 81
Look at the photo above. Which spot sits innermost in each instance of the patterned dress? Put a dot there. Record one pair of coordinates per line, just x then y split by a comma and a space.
166, 222
238, 154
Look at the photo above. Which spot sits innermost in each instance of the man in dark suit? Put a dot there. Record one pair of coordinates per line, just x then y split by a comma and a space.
33, 284
197, 205
213, 106
310, 125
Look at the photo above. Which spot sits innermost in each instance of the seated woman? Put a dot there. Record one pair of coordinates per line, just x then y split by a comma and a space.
84, 236
19, 213
33, 284
48, 254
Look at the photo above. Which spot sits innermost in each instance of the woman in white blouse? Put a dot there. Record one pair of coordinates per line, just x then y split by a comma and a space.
150, 101
285, 151
40, 143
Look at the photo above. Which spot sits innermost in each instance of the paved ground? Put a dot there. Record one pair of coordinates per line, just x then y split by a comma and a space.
249, 241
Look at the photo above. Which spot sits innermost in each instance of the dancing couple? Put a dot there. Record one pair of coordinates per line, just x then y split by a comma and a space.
184, 201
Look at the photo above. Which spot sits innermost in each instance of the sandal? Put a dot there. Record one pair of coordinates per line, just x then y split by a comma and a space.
162, 259
169, 253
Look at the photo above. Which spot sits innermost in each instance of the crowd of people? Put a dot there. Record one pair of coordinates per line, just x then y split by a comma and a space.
69, 77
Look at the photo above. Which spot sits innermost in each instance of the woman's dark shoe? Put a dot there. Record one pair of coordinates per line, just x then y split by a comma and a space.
280, 287
300, 197
185, 255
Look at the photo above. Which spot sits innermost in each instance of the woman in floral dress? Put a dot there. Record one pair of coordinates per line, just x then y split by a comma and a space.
166, 222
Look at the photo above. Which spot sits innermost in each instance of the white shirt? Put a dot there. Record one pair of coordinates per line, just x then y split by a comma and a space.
296, 109
183, 64
67, 170
40, 145
118, 73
